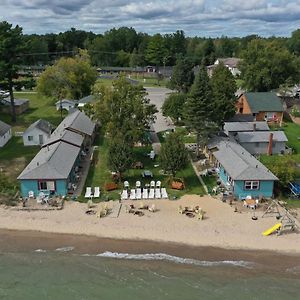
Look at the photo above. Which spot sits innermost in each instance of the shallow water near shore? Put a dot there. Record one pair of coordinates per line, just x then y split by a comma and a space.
41, 266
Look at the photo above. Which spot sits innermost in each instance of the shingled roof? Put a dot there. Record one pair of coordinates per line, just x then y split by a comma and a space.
240, 164
4, 128
42, 125
264, 102
261, 136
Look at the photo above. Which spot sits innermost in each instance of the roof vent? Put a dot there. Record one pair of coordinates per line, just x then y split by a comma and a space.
256, 166
37, 163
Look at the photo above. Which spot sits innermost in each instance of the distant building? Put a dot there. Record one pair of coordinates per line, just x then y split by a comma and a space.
5, 133
21, 105
83, 101
231, 63
263, 106
37, 133
65, 104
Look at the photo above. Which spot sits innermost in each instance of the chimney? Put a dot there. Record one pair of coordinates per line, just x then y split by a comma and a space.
254, 126
270, 145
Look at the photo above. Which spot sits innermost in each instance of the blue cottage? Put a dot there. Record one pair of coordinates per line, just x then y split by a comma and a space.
242, 173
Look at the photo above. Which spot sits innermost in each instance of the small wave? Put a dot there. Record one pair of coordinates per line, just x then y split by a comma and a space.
40, 250
64, 249
175, 259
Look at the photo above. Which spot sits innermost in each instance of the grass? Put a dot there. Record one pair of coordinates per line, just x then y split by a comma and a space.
186, 137
99, 173
210, 181
292, 132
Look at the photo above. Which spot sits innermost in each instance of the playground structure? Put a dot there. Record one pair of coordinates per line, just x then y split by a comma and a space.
287, 221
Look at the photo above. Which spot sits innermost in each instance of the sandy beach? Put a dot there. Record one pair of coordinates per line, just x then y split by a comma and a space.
222, 226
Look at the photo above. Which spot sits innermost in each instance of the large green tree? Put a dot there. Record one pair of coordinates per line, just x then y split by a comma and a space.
173, 155
119, 155
173, 106
182, 75
11, 47
199, 108
224, 88
156, 52
124, 109
267, 65
68, 78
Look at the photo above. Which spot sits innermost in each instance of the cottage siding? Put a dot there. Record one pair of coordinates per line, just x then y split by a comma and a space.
265, 189
243, 107
5, 138
35, 133
32, 185
262, 147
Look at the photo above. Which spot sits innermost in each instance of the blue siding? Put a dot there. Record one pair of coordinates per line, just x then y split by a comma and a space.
223, 176
265, 189
32, 185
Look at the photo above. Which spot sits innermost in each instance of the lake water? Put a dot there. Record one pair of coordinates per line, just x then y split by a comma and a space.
63, 274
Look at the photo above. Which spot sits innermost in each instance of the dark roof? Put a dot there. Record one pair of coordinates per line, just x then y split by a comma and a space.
241, 118
4, 128
261, 136
18, 102
246, 126
264, 101
87, 99
43, 125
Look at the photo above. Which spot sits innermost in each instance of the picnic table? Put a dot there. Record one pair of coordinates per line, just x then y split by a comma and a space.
251, 203
147, 173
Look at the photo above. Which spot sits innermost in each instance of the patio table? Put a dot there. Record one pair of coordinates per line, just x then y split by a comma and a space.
147, 173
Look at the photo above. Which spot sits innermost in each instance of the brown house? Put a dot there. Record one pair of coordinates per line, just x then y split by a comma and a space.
263, 106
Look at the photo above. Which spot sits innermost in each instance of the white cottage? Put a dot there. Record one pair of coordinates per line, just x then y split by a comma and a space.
65, 104
37, 133
5, 133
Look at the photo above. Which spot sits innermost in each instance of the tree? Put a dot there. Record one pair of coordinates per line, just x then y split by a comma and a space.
11, 47
284, 167
156, 51
119, 155
267, 65
294, 42
182, 76
173, 106
199, 108
124, 109
68, 78
224, 88
173, 155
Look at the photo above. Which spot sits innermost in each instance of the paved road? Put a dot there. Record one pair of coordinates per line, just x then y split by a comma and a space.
157, 96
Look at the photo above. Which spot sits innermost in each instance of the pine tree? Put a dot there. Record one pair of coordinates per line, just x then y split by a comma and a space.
198, 110
224, 88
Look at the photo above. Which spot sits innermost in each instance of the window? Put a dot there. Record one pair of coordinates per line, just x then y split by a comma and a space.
47, 185
30, 138
251, 185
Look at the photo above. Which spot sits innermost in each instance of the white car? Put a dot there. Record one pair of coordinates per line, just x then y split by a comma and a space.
4, 94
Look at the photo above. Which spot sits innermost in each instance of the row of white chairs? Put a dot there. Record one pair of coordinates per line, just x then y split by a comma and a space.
138, 184
89, 192
138, 194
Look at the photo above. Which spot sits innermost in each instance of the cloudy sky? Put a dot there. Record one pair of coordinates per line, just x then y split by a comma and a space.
196, 17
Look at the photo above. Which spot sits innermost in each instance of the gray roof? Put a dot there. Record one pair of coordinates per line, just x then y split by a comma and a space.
215, 140
261, 136
240, 164
17, 101
42, 125
87, 99
53, 162
245, 126
65, 101
66, 136
77, 121
4, 128
230, 61
242, 118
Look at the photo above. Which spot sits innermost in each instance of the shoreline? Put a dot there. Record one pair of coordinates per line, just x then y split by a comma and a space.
20, 241
222, 228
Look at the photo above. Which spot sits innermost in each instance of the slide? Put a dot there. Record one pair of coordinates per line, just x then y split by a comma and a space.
272, 229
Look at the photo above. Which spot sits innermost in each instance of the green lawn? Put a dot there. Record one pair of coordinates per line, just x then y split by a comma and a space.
99, 174
210, 181
186, 137
292, 132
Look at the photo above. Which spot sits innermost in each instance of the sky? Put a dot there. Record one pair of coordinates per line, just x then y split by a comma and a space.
212, 18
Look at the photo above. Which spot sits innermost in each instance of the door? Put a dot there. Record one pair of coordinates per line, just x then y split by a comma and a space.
41, 139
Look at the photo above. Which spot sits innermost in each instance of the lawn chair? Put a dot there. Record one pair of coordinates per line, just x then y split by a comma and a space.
97, 192
152, 208
88, 192
151, 194
158, 184
294, 189
157, 193
138, 194
152, 184
132, 194
124, 195
164, 193
138, 184
126, 184
145, 194
30, 194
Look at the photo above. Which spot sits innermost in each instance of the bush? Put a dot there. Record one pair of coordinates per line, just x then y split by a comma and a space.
295, 111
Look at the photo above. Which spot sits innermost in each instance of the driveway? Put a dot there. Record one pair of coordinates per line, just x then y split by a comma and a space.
157, 96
